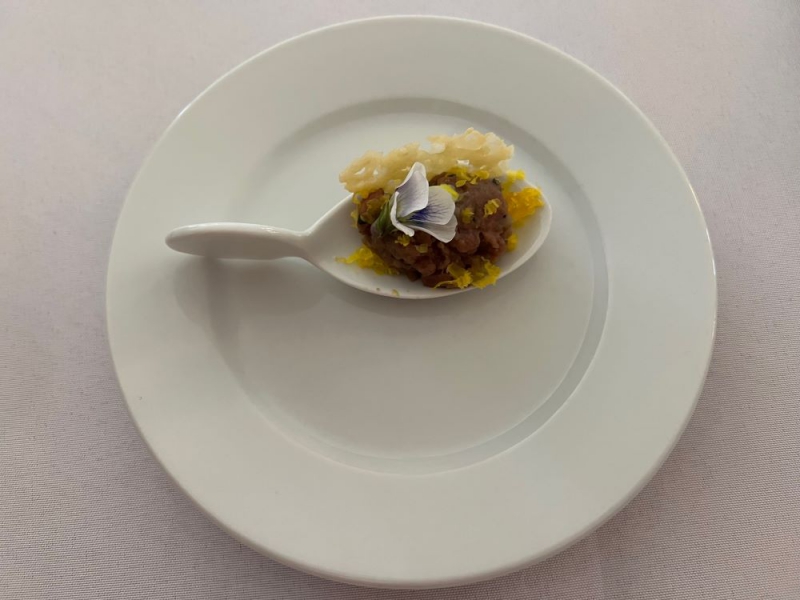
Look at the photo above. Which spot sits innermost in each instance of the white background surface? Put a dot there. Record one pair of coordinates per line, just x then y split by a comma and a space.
85, 90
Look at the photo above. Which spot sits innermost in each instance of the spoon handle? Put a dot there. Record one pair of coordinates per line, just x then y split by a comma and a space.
237, 240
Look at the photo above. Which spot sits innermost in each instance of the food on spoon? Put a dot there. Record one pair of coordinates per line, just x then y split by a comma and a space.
443, 216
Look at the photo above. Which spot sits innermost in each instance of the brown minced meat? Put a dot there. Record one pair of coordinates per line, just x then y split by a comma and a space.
427, 258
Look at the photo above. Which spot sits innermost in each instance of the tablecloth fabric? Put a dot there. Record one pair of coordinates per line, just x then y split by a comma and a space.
86, 88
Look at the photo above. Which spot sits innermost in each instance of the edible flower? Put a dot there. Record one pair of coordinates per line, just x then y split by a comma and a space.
418, 206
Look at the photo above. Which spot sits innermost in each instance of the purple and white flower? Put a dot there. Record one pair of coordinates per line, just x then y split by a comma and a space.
417, 206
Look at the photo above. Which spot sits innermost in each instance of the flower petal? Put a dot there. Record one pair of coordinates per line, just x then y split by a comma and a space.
412, 194
440, 209
444, 233
395, 221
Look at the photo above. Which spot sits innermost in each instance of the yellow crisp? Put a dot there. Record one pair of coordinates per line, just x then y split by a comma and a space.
403, 240
422, 248
461, 182
471, 149
467, 214
354, 216
367, 259
511, 242
490, 207
523, 204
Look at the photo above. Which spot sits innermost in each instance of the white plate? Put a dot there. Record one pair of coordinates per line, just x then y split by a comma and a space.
412, 444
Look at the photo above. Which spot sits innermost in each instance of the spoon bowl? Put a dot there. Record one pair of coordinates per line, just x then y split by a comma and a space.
331, 238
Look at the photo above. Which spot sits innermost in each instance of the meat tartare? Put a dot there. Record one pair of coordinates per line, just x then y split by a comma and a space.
443, 216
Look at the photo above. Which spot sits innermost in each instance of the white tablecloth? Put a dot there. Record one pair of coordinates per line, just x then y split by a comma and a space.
86, 88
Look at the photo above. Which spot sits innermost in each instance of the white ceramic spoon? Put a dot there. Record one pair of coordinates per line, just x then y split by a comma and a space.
330, 238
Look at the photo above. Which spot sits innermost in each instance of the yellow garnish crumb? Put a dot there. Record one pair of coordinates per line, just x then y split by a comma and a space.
523, 204
491, 207
484, 274
479, 275
422, 248
450, 190
512, 177
354, 216
403, 240
395, 293
465, 175
367, 259
461, 278
511, 242
479, 174
467, 214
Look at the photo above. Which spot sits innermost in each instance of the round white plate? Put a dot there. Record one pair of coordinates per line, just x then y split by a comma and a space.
412, 444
